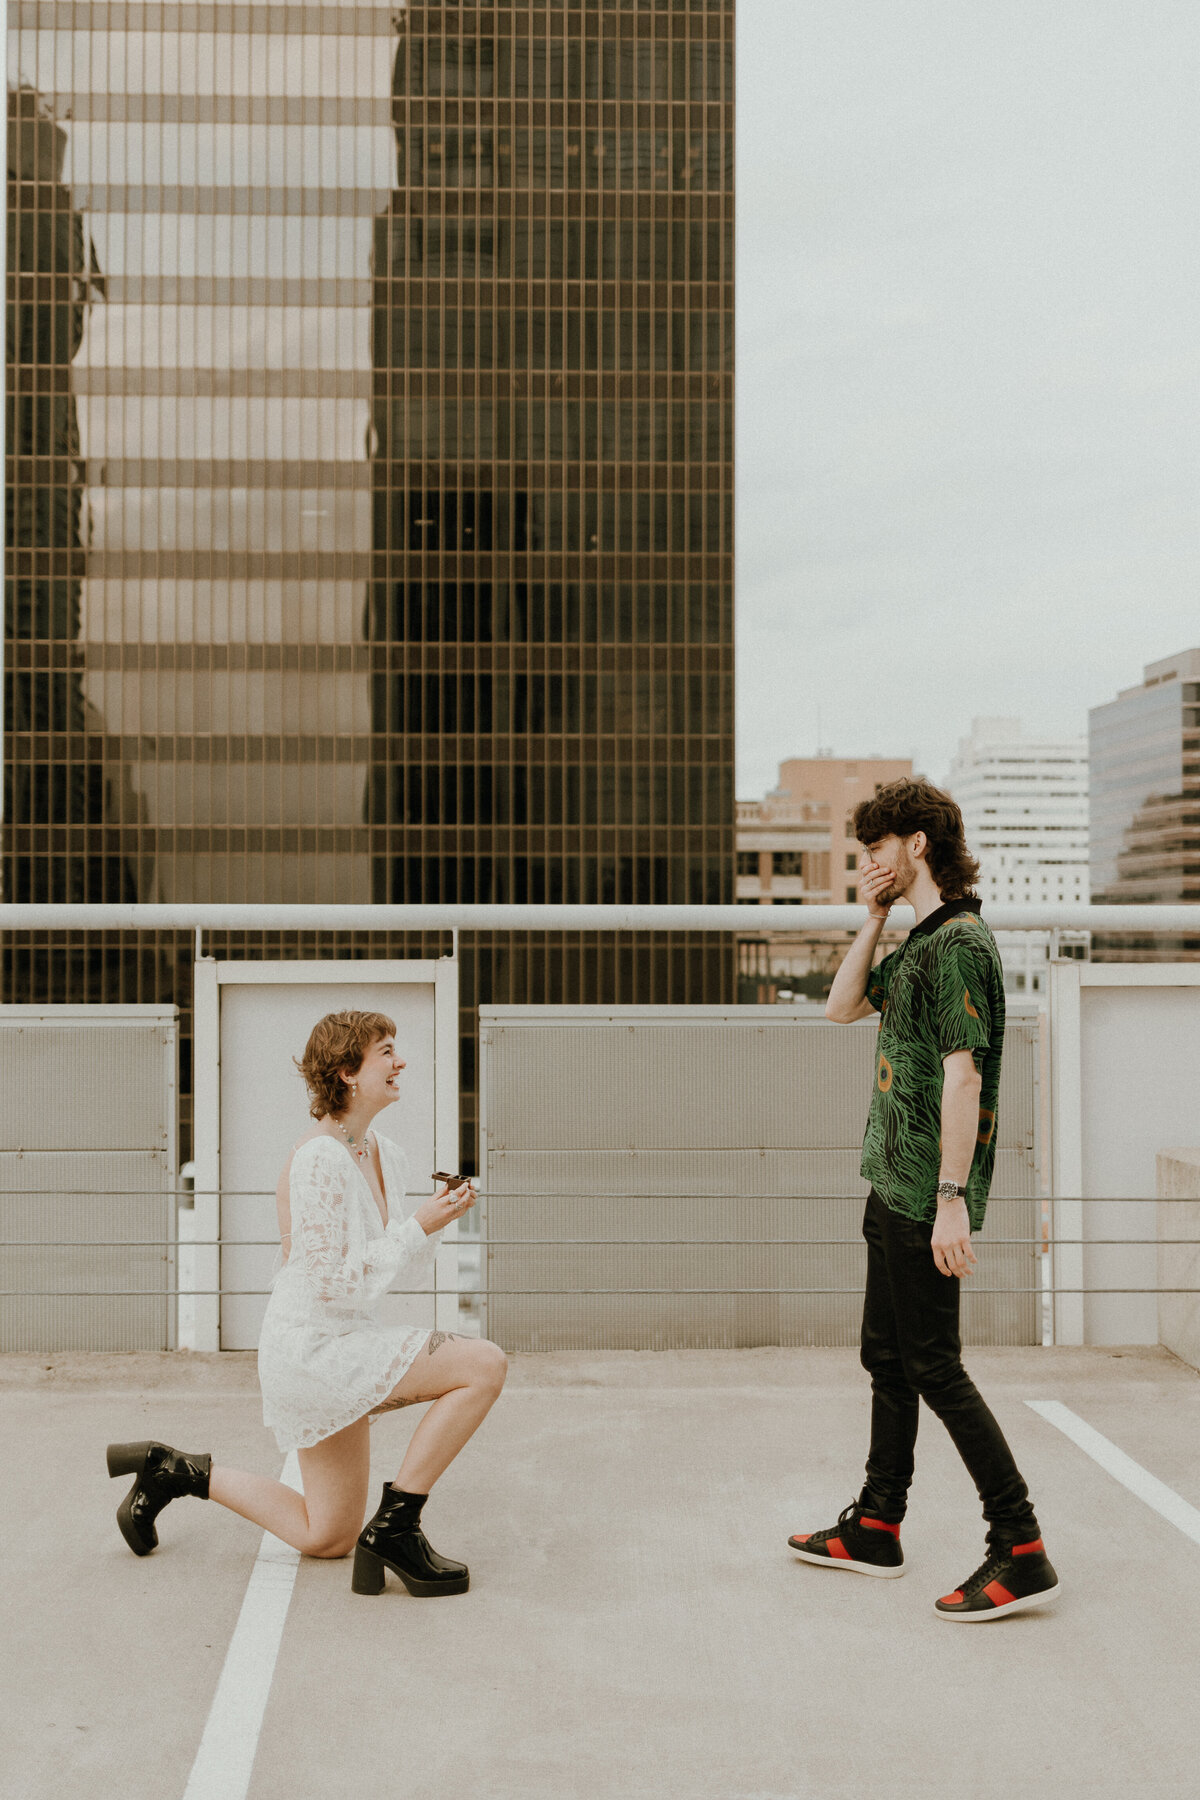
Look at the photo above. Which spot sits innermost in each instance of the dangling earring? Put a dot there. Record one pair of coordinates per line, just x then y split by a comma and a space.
354, 1090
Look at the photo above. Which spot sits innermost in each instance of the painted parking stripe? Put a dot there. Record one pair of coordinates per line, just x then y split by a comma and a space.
1165, 1501
225, 1758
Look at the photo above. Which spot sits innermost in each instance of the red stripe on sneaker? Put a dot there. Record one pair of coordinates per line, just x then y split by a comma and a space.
954, 1599
800, 1537
836, 1548
998, 1594
880, 1525
1029, 1549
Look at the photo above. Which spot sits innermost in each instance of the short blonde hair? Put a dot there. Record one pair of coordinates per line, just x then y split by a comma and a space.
338, 1041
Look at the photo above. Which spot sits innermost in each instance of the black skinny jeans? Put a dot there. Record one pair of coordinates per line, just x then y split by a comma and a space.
912, 1351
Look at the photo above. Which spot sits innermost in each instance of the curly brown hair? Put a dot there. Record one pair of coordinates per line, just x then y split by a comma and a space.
908, 806
338, 1041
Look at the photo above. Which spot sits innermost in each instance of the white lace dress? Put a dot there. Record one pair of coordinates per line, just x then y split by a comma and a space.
324, 1360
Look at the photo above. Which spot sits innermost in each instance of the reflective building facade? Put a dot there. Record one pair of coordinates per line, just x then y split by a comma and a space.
60, 771
370, 473
1144, 835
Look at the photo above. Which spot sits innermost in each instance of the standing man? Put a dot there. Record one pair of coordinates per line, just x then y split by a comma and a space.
928, 1154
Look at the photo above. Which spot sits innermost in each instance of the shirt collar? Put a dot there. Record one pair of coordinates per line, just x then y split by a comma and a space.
928, 925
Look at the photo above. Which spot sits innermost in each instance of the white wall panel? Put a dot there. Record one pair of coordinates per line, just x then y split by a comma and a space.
87, 1177
80, 1084
625, 1127
1138, 1036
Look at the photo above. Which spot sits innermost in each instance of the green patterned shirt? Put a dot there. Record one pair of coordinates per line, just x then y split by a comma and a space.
942, 990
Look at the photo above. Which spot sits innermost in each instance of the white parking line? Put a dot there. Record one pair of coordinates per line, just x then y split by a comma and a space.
1165, 1501
225, 1758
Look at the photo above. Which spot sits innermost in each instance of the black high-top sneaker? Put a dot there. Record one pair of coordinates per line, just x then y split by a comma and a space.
393, 1540
1011, 1578
860, 1541
160, 1475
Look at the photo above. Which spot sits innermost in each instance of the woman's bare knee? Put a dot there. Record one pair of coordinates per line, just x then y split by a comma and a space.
492, 1365
330, 1545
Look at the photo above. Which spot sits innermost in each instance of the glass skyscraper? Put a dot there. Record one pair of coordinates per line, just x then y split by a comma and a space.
370, 477
1144, 836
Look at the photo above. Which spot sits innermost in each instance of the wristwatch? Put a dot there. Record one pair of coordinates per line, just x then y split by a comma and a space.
950, 1190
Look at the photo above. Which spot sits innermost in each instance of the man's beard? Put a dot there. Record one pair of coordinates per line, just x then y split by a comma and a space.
902, 878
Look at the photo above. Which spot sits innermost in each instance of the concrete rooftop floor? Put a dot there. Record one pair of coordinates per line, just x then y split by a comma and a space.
636, 1627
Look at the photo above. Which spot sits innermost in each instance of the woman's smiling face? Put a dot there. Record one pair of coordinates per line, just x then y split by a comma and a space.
378, 1078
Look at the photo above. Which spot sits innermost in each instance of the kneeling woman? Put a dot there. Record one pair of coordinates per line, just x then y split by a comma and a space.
326, 1364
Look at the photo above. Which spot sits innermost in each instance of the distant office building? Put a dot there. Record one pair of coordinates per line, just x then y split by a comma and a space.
782, 852
1145, 802
1024, 803
370, 493
796, 846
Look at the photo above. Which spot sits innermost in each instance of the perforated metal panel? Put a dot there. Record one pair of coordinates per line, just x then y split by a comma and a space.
82, 1084
87, 1177
721, 1133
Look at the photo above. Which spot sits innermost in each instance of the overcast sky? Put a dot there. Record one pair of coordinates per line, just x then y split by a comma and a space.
968, 357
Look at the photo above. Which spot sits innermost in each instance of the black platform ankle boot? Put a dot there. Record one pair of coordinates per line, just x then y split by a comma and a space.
160, 1475
393, 1540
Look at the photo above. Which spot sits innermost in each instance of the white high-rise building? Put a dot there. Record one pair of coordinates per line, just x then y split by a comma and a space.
1024, 803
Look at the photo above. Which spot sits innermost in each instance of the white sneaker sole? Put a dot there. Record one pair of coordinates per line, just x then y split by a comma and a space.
841, 1562
1026, 1604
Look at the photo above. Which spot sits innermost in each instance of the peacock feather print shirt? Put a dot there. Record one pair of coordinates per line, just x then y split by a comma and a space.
941, 990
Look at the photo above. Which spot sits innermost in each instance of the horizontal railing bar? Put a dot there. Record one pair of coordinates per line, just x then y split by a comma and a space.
61, 1193
532, 1293
754, 1243
496, 916
1037, 1241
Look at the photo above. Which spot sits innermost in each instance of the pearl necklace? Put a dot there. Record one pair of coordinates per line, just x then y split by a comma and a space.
362, 1153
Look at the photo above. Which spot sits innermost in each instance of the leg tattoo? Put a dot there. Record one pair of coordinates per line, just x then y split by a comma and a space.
395, 1401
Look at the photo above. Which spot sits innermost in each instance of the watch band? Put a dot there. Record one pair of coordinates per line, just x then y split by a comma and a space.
950, 1190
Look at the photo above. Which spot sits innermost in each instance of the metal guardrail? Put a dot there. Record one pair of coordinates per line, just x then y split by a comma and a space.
1042, 1243
497, 916
689, 1243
